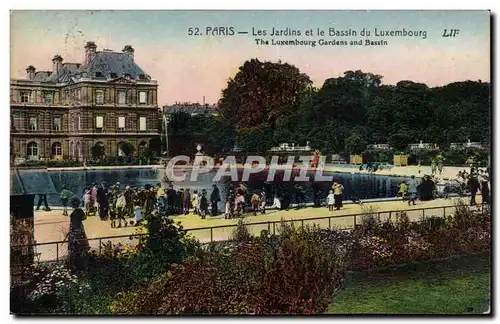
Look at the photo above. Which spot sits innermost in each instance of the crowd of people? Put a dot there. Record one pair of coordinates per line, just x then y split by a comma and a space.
129, 205
432, 186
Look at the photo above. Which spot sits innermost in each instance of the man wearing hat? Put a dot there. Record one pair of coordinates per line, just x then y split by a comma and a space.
214, 200
129, 202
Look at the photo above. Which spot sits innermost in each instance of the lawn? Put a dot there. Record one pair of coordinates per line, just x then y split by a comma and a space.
459, 285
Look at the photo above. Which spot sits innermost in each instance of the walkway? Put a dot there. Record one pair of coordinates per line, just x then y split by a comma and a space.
52, 226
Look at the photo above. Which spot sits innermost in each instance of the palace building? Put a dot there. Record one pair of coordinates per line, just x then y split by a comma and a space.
63, 114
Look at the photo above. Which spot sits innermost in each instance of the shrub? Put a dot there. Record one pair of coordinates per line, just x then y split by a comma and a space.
165, 244
296, 272
241, 233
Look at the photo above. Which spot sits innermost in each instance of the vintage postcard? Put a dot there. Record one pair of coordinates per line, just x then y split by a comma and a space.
250, 162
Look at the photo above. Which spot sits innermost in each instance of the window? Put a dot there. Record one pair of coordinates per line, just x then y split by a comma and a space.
56, 149
142, 123
78, 94
32, 150
33, 126
142, 97
122, 97
56, 125
48, 97
99, 97
25, 96
99, 121
121, 122
79, 122
142, 77
99, 75
113, 75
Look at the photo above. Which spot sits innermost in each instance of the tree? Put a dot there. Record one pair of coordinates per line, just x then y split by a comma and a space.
155, 146
262, 93
355, 144
127, 149
346, 97
255, 139
399, 141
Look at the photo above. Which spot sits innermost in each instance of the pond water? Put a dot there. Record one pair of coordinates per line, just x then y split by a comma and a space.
356, 185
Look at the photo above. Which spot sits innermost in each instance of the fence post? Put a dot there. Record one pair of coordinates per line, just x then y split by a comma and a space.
269, 227
100, 245
390, 215
423, 213
444, 212
378, 216
57, 251
211, 234
329, 222
274, 228
302, 223
354, 226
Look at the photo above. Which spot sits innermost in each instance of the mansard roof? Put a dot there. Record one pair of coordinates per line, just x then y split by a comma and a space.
105, 65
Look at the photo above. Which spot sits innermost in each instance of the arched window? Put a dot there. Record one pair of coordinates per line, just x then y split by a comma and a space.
78, 150
56, 149
121, 149
125, 149
142, 146
32, 150
98, 150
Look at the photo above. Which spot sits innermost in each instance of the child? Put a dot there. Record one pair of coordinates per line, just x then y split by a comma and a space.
137, 215
203, 204
255, 202
276, 203
194, 202
87, 200
263, 202
65, 198
120, 210
402, 190
330, 199
227, 213
112, 217
198, 206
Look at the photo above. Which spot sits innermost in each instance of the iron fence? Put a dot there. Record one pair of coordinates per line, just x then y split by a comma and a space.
55, 251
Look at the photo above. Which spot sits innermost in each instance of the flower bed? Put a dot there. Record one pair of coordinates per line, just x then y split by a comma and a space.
296, 271
299, 270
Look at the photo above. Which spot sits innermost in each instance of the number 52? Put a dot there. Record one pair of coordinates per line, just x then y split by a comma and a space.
193, 31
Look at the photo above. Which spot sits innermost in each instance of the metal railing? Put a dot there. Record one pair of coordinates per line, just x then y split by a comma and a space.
55, 251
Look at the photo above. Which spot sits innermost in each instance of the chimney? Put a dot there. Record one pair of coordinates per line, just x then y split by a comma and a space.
90, 50
129, 51
30, 72
57, 63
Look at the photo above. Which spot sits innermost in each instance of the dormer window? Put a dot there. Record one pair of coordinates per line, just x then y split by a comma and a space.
25, 96
99, 75
113, 75
48, 97
99, 97
127, 75
142, 77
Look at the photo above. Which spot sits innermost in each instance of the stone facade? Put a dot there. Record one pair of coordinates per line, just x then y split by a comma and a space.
61, 114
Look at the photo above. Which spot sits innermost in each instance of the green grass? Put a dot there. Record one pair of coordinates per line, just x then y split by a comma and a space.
455, 286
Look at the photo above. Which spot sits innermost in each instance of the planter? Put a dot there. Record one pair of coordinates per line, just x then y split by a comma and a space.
356, 159
400, 160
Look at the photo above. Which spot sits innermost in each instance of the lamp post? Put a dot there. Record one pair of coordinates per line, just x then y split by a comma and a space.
166, 121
